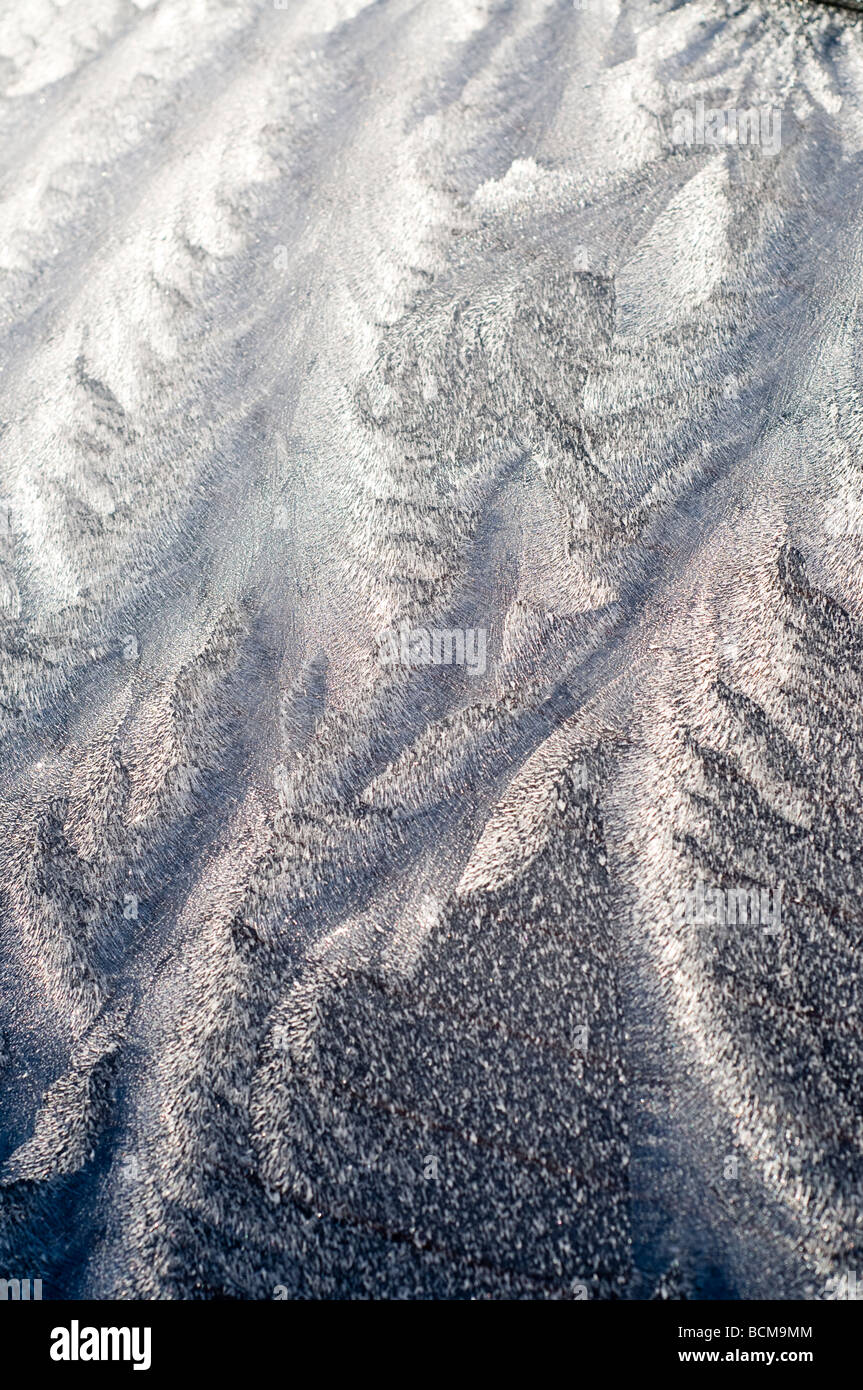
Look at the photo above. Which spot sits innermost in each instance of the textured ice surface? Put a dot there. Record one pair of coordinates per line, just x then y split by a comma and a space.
350, 978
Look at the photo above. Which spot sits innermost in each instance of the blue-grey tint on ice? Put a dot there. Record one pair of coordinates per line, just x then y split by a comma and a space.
328, 977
